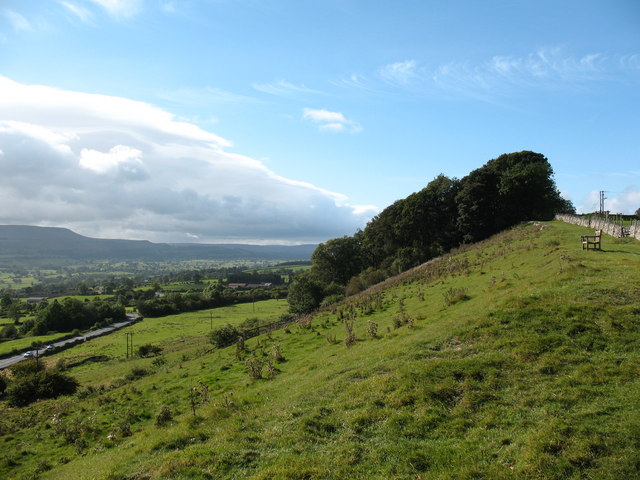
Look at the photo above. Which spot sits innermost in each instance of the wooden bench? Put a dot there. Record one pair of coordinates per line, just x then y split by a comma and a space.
591, 240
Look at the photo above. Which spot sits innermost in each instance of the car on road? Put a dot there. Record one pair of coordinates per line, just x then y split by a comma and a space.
28, 354
49, 347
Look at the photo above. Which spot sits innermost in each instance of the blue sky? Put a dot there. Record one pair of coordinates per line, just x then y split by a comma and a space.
296, 121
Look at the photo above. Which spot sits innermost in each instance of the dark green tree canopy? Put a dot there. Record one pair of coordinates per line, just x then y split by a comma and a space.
72, 313
338, 259
512, 188
424, 222
305, 294
507, 190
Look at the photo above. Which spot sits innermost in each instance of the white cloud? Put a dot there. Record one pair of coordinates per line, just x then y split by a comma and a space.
19, 22
627, 202
120, 8
320, 116
615, 202
75, 112
333, 127
500, 76
330, 121
544, 69
101, 162
399, 72
79, 11
113, 167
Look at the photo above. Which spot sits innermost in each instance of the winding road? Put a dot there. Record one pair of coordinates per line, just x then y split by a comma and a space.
131, 318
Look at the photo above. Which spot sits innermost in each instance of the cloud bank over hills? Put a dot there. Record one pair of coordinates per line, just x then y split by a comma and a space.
112, 167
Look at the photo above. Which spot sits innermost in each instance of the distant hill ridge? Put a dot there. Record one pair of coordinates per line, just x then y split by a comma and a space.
21, 243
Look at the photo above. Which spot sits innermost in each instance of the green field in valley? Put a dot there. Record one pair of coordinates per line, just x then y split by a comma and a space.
515, 358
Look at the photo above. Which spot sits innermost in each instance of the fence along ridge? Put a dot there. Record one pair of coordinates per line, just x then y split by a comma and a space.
598, 223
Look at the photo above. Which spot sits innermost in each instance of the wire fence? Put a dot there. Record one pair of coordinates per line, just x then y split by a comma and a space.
266, 328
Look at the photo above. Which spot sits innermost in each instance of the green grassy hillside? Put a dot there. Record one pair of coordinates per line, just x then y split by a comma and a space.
516, 358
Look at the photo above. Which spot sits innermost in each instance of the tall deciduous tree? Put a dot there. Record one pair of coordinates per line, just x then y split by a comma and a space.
305, 294
338, 259
416, 228
427, 221
509, 189
380, 238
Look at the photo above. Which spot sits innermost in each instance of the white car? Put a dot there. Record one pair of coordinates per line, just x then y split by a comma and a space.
28, 354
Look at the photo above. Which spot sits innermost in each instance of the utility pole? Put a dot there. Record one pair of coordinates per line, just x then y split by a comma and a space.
602, 199
37, 345
129, 337
211, 320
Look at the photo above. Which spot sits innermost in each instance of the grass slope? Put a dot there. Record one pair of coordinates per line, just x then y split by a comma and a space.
516, 358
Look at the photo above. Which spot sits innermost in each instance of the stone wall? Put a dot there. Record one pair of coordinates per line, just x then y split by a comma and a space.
598, 223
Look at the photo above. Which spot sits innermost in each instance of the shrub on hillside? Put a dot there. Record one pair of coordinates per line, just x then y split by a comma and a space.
224, 336
250, 324
164, 416
24, 369
9, 331
331, 299
136, 373
38, 385
149, 350
52, 384
26, 326
455, 295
